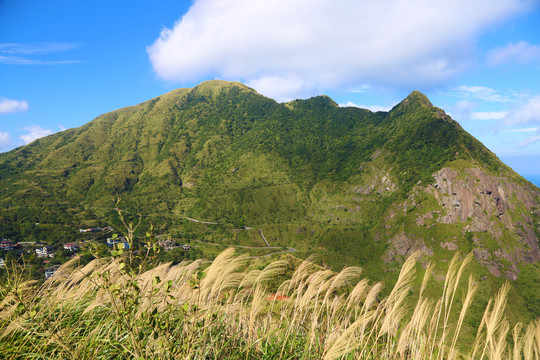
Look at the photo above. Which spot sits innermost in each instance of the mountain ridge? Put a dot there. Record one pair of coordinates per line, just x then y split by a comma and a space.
222, 152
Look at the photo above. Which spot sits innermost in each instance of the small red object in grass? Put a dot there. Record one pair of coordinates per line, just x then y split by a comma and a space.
278, 297
46, 261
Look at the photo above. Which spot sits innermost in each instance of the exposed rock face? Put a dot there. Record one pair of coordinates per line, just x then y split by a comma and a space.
402, 245
497, 217
478, 196
379, 182
485, 203
494, 265
449, 245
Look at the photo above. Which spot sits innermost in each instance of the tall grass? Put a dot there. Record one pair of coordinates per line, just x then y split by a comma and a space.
110, 309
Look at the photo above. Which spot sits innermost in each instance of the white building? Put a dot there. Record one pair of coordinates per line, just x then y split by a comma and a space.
46, 251
50, 271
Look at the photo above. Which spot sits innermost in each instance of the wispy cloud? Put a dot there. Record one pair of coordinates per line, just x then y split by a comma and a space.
11, 105
373, 108
521, 52
360, 89
314, 46
34, 132
16, 60
481, 93
534, 129
488, 115
36, 49
526, 113
529, 141
32, 54
463, 110
5, 140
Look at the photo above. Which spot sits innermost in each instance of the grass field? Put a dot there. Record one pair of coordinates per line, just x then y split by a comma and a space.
126, 307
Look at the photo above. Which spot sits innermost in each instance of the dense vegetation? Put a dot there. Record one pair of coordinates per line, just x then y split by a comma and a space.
309, 174
222, 152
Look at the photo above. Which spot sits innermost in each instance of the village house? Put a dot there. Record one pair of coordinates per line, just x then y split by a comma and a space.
26, 244
71, 247
111, 242
6, 245
2, 263
185, 247
46, 251
96, 229
50, 271
168, 244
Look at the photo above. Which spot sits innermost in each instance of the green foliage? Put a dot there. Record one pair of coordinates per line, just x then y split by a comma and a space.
222, 153
528, 285
202, 146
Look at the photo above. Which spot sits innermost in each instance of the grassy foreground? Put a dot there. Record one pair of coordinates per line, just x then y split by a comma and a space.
117, 308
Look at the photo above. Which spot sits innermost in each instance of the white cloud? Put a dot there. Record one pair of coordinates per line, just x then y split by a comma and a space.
360, 89
529, 141
16, 60
24, 54
10, 105
34, 132
521, 52
463, 109
280, 88
488, 115
373, 108
481, 93
534, 129
323, 44
527, 113
40, 48
5, 139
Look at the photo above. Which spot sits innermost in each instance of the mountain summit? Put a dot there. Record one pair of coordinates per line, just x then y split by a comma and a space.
350, 184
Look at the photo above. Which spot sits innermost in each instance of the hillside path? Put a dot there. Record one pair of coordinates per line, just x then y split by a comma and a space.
201, 221
260, 233
289, 249
216, 223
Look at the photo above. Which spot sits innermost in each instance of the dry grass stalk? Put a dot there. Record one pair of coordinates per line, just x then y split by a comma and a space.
319, 314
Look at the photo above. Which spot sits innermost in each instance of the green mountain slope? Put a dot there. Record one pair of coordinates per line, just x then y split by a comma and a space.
355, 186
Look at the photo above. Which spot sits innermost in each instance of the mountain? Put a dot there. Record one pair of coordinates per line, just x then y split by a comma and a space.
355, 186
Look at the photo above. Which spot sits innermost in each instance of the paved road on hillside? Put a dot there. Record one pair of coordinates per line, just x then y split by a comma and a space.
289, 249
200, 221
245, 228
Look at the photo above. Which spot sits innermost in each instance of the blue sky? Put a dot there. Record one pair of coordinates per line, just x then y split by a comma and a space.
62, 63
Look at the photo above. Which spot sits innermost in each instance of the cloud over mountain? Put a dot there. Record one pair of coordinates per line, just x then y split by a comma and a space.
298, 47
5, 139
34, 132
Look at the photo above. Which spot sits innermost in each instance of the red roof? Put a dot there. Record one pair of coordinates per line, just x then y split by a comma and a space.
278, 297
